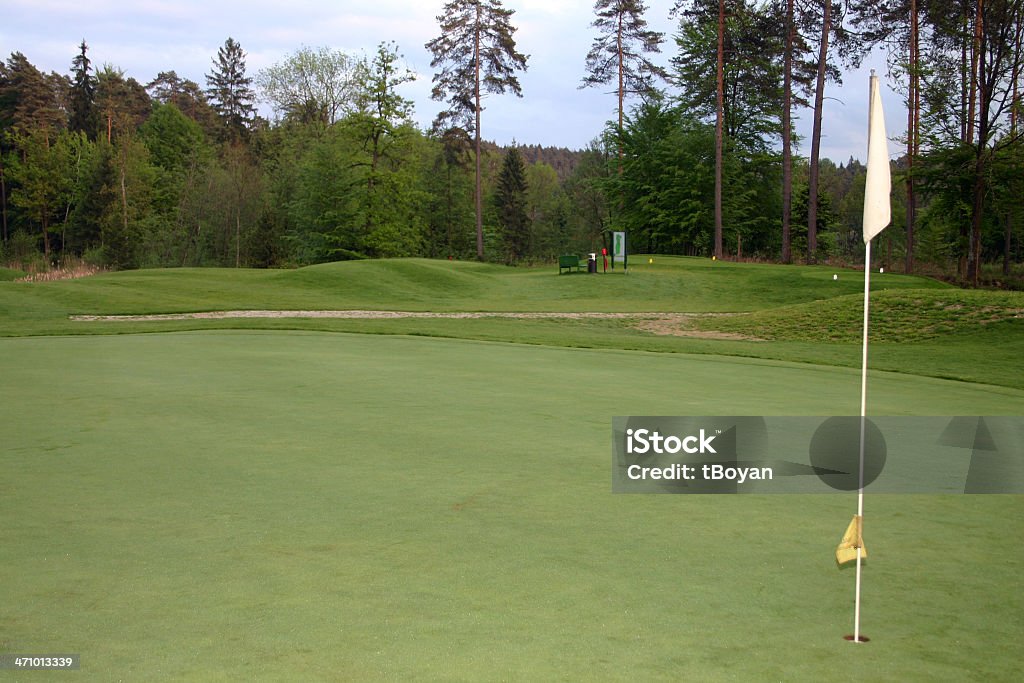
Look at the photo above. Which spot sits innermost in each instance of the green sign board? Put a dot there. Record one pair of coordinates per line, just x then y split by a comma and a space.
619, 248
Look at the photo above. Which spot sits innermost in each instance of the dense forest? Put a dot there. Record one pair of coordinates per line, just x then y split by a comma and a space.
99, 168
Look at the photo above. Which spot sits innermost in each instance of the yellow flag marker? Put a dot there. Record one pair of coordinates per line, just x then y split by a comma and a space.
852, 539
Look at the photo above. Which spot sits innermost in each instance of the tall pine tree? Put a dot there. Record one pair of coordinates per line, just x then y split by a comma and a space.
230, 91
477, 53
617, 54
82, 115
510, 201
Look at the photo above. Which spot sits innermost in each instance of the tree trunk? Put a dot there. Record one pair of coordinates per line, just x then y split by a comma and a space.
966, 131
787, 136
448, 206
719, 122
479, 175
965, 69
45, 222
819, 101
1013, 134
124, 198
371, 185
913, 110
1007, 244
977, 216
979, 105
3, 197
622, 86
972, 95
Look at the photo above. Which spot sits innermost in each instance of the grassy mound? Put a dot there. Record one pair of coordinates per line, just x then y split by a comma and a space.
669, 284
807, 315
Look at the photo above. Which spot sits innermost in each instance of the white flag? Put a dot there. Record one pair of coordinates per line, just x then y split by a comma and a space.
878, 185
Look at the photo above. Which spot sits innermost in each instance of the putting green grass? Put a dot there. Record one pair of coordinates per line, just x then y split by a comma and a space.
267, 505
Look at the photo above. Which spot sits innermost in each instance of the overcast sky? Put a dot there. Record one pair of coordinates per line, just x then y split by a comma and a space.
145, 37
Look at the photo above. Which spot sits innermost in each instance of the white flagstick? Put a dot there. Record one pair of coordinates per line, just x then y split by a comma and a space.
877, 188
863, 419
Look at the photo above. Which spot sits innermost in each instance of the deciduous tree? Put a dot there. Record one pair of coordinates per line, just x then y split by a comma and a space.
311, 84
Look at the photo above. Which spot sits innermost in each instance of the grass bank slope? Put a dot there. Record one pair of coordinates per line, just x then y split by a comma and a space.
669, 284
793, 313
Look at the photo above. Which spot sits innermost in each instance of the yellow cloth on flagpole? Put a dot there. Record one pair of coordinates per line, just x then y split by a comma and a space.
852, 539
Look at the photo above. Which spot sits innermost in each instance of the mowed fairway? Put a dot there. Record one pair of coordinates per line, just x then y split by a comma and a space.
229, 504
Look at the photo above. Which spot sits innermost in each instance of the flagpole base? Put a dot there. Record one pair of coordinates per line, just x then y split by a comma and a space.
862, 639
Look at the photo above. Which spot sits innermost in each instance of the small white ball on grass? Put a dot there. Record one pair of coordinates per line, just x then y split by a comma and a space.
835, 276
881, 270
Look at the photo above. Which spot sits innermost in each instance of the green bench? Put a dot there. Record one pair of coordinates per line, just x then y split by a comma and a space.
571, 261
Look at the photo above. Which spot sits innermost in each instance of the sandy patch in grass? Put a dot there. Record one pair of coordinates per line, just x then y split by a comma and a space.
359, 315
678, 325
674, 324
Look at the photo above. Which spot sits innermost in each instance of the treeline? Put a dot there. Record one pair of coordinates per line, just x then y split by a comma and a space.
98, 166
702, 163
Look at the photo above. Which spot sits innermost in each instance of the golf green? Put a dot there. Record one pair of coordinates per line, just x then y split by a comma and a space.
267, 505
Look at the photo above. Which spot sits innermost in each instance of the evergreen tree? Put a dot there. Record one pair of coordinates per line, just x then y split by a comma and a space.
477, 53
449, 181
230, 91
186, 95
752, 71
742, 89
510, 202
122, 103
787, 129
819, 99
82, 105
618, 53
42, 171
32, 99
